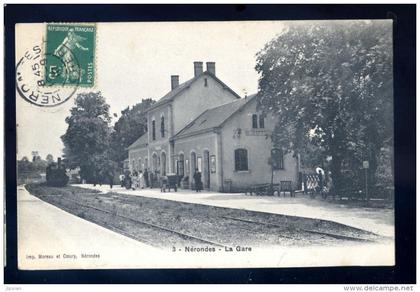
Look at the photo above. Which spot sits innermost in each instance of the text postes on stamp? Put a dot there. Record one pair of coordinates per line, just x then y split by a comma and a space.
70, 54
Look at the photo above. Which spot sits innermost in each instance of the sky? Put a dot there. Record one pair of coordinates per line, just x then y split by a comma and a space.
136, 60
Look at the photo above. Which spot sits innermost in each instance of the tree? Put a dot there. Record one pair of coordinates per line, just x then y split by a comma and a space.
24, 168
28, 169
40, 165
49, 158
131, 125
35, 156
330, 86
87, 136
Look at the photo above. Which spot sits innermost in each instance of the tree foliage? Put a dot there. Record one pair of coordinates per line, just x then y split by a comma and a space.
86, 140
30, 169
49, 158
130, 126
330, 85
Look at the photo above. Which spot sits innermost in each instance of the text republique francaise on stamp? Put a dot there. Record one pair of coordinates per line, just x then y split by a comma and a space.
74, 45
48, 74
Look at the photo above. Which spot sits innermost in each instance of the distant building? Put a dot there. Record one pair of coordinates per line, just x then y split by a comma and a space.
204, 124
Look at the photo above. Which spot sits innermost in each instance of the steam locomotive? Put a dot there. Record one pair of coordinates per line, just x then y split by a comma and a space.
56, 174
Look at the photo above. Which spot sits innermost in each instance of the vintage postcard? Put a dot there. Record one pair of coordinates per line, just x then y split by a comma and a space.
237, 144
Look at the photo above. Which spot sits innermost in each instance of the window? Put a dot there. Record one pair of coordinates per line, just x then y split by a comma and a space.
153, 130
154, 162
277, 158
258, 119
187, 166
199, 161
254, 121
241, 159
180, 165
162, 126
261, 120
205, 82
163, 164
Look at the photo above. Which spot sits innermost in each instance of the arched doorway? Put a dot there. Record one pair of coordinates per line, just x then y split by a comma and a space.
163, 163
180, 165
206, 169
154, 162
140, 166
193, 165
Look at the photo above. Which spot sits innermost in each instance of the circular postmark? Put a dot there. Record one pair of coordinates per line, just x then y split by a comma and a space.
34, 83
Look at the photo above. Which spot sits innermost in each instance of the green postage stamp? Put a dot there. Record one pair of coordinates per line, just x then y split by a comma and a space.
70, 55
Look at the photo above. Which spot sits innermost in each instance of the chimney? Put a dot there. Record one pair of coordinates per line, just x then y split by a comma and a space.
174, 81
198, 68
211, 67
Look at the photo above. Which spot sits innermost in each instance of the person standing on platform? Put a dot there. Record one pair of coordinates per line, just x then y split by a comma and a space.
197, 180
135, 180
141, 180
146, 178
122, 177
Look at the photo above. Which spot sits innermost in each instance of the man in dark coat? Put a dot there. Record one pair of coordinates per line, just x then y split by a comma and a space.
321, 182
146, 177
110, 176
127, 180
197, 180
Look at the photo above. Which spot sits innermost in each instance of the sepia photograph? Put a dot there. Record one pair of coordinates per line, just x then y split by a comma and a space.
176, 146
217, 144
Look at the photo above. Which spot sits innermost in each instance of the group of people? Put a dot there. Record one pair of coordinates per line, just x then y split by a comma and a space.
142, 180
136, 180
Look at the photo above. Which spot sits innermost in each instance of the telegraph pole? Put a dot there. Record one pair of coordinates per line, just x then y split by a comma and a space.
366, 166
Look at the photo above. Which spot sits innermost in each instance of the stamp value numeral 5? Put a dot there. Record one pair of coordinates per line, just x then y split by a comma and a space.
53, 72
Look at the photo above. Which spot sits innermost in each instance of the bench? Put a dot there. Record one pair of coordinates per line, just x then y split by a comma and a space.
268, 189
351, 193
259, 190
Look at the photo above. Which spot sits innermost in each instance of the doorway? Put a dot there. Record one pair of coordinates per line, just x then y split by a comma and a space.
154, 162
193, 163
163, 163
206, 169
180, 166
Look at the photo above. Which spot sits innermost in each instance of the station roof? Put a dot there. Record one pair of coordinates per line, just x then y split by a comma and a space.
213, 118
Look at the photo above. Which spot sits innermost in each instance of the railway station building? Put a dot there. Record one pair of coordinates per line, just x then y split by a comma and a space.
203, 124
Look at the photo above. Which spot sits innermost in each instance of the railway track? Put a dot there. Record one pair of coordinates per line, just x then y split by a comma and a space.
328, 234
332, 235
185, 236
321, 233
256, 231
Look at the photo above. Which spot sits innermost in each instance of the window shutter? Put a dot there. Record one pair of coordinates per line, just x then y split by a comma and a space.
262, 121
162, 126
254, 121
